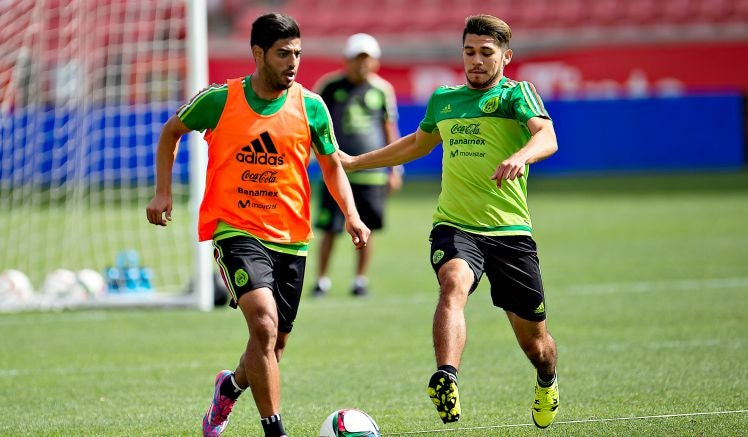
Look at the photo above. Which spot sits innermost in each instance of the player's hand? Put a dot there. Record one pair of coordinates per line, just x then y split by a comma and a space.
345, 159
509, 170
158, 210
359, 232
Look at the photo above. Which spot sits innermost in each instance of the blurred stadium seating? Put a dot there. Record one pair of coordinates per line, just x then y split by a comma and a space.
646, 44
546, 22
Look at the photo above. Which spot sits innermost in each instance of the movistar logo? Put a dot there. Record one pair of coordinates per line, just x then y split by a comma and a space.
250, 203
457, 153
260, 151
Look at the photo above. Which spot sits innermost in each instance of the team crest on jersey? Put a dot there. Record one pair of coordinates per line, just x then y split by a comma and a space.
373, 99
437, 256
490, 105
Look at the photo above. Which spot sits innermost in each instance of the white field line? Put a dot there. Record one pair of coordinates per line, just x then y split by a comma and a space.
555, 424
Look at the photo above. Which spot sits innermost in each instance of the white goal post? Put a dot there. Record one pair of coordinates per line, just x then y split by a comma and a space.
85, 87
197, 78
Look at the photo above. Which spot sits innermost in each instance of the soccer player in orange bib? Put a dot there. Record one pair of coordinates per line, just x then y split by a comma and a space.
260, 131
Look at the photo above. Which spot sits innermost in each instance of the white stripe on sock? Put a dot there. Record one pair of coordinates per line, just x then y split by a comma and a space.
236, 386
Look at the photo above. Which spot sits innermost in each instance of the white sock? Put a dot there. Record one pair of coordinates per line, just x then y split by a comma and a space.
361, 281
324, 283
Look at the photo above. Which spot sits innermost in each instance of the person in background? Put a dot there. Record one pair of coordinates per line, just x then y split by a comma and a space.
261, 130
491, 129
364, 113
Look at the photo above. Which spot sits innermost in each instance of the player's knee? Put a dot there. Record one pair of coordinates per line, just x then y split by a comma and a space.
264, 330
452, 297
455, 282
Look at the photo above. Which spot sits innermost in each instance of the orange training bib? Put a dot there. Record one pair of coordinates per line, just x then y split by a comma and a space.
257, 178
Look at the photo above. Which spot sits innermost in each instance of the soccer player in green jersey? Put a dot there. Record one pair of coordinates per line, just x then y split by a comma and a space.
492, 128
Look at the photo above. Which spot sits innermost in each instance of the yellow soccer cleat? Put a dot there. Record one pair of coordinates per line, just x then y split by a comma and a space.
545, 407
443, 393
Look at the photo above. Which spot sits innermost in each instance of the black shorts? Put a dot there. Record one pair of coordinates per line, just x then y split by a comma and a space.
246, 265
369, 201
510, 262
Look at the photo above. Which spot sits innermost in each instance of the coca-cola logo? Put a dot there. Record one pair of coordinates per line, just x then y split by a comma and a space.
265, 177
470, 129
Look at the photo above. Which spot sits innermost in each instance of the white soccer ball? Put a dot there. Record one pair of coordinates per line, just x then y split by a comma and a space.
63, 285
15, 287
349, 423
93, 283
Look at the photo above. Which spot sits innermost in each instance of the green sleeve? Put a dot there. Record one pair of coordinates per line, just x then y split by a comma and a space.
428, 124
320, 125
527, 102
204, 110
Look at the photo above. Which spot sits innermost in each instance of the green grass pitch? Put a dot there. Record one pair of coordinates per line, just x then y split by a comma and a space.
647, 292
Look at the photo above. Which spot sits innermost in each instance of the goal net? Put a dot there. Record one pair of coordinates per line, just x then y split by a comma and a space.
85, 87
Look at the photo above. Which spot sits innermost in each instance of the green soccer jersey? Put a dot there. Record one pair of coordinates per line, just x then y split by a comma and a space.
479, 129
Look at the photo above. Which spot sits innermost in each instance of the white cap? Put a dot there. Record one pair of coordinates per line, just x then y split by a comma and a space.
361, 43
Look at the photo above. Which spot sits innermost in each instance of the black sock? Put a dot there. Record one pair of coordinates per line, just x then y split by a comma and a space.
230, 389
273, 426
546, 380
449, 369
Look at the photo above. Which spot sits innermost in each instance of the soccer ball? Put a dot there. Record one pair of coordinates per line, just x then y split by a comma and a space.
62, 285
92, 282
15, 287
349, 423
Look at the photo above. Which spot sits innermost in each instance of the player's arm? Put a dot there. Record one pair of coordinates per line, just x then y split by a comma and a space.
168, 141
541, 145
202, 112
406, 149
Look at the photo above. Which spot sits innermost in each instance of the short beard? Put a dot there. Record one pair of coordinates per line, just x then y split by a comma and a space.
279, 85
276, 80
487, 84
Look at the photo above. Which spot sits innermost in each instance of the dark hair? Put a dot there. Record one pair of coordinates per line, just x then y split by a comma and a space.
269, 28
488, 25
